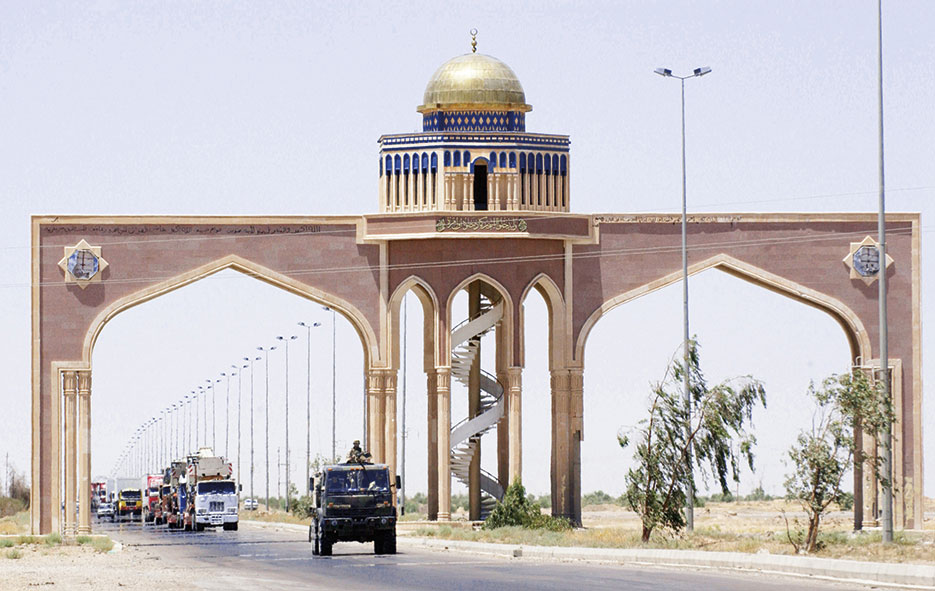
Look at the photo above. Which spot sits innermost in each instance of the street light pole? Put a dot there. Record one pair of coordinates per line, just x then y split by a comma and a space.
196, 393
227, 420
288, 458
251, 360
308, 401
239, 417
887, 509
403, 469
266, 417
690, 492
334, 429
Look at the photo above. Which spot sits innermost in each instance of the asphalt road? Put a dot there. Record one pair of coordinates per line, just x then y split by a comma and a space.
258, 557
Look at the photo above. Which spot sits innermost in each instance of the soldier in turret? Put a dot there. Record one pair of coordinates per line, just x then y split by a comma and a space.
357, 455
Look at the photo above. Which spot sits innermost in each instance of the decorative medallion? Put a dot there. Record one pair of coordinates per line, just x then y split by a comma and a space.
83, 264
864, 260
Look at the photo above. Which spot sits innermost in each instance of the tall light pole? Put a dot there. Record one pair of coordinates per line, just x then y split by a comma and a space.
251, 360
887, 509
227, 420
403, 470
239, 392
188, 431
308, 400
690, 496
203, 393
334, 428
266, 416
175, 432
288, 458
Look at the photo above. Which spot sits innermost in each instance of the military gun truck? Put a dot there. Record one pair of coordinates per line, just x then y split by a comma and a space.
353, 502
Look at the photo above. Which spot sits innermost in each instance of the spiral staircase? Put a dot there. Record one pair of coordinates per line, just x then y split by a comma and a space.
466, 435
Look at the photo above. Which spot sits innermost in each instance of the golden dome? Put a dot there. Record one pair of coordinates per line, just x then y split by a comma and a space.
472, 81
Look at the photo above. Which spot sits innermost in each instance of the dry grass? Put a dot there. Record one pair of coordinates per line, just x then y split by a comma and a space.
727, 527
274, 516
15, 524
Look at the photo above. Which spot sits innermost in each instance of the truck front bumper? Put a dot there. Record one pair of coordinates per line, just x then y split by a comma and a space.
348, 527
216, 518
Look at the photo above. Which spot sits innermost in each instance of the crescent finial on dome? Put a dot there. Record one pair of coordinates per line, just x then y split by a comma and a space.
473, 40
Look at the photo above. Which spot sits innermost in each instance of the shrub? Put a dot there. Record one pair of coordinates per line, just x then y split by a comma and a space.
597, 497
517, 510
82, 540
13, 553
758, 494
10, 506
53, 539
6, 543
102, 544
302, 506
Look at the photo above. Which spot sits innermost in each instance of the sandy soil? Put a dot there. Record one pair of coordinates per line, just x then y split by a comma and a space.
81, 567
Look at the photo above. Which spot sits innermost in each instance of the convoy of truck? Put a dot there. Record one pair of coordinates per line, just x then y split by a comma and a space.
352, 502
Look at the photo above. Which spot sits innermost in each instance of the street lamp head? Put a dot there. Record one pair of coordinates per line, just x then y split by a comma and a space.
316, 324
663, 72
701, 71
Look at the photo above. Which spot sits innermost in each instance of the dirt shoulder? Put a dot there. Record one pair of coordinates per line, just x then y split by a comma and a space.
82, 567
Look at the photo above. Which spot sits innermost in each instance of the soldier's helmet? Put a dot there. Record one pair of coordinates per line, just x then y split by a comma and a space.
356, 442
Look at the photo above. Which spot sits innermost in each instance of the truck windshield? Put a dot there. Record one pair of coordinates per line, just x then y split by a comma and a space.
357, 481
223, 487
130, 494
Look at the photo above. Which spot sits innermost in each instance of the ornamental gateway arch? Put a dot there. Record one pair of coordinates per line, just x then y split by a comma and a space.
476, 203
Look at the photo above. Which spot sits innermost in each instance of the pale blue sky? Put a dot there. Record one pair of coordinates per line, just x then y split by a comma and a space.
252, 108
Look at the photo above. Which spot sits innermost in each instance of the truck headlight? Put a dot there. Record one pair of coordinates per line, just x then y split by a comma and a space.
232, 509
200, 511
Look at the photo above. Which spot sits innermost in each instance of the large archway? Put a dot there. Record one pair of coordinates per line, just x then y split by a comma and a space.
855, 337
71, 428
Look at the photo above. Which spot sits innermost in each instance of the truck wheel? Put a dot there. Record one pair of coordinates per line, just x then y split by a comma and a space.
230, 526
389, 543
316, 541
326, 546
199, 527
378, 544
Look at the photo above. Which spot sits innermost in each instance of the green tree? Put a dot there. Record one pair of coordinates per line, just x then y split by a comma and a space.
713, 432
822, 455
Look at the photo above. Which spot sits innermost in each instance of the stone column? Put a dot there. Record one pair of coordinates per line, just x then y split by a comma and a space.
375, 413
389, 422
84, 452
503, 431
410, 191
420, 191
474, 491
515, 410
576, 404
493, 191
469, 191
70, 389
443, 391
561, 483
432, 437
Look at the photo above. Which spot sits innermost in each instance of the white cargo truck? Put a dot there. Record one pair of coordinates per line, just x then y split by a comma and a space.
213, 495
